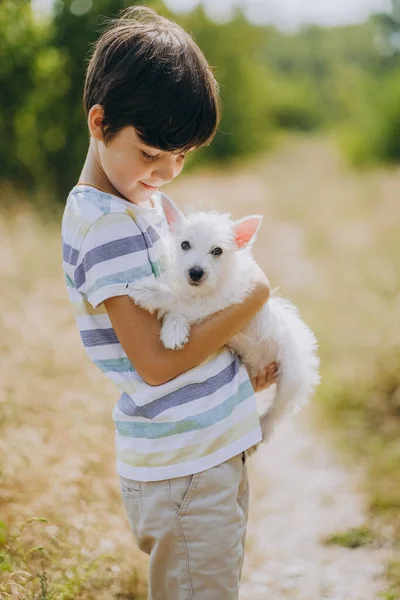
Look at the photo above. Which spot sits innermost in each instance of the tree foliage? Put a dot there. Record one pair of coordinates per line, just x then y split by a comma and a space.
343, 78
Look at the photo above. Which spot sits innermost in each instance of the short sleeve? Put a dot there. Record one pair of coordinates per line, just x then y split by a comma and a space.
113, 254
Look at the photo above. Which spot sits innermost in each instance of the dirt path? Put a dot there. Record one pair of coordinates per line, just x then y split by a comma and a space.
299, 494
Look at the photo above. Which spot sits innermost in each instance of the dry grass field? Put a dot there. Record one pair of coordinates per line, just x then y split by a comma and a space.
330, 243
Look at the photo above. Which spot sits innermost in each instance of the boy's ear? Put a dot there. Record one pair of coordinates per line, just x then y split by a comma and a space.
95, 122
172, 213
245, 230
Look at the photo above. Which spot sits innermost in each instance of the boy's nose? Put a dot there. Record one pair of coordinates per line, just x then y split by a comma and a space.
196, 273
167, 170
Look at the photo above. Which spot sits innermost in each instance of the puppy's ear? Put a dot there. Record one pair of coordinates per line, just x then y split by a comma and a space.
245, 230
173, 215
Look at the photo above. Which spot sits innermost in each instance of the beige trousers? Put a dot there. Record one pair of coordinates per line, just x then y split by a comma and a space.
194, 529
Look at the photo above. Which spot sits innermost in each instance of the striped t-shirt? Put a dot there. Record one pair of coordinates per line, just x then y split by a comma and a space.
201, 418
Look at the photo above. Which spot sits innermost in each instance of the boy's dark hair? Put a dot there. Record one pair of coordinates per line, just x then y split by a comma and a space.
146, 71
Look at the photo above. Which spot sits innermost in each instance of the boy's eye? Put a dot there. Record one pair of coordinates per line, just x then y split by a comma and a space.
217, 251
149, 157
185, 246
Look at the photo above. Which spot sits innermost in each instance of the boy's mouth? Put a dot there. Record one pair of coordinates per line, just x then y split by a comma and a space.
149, 187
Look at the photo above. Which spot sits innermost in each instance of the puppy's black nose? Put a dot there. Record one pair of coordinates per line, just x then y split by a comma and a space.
196, 273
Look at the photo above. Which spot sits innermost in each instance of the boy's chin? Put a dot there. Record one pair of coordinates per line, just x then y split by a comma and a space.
139, 196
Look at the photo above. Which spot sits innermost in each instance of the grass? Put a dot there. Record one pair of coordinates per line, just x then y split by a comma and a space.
352, 538
329, 240
63, 533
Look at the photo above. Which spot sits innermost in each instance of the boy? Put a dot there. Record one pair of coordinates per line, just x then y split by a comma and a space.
185, 417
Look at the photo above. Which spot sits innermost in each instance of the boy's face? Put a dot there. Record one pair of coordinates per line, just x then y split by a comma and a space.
135, 170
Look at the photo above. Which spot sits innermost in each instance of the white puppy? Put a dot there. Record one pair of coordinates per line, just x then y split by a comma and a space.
210, 268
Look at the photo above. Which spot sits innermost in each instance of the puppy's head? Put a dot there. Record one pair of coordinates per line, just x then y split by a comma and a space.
204, 246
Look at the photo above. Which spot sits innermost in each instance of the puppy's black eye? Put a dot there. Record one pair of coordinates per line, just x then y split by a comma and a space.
185, 246
216, 252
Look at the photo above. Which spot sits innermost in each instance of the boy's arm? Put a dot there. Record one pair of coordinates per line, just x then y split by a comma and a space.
113, 254
139, 334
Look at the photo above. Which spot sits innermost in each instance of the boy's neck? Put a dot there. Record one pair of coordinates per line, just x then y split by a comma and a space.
93, 174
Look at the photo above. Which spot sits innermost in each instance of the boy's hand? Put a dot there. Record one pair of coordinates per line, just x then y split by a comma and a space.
266, 378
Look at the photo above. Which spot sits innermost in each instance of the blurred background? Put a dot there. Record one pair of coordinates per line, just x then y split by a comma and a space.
283, 66
310, 138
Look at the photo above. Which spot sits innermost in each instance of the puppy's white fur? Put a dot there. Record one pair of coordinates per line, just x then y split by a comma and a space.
276, 333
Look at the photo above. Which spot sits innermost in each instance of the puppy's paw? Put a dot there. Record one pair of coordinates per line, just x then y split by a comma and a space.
174, 331
150, 294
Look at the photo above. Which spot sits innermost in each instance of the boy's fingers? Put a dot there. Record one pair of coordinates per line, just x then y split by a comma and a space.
254, 381
267, 377
270, 372
274, 368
